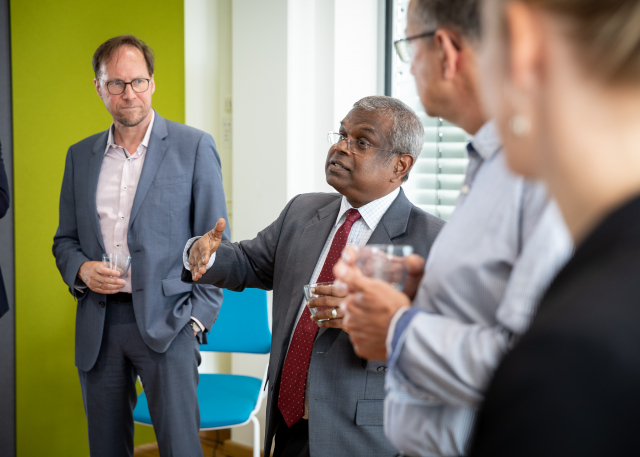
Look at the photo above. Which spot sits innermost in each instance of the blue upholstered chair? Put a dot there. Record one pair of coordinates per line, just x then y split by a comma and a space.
228, 400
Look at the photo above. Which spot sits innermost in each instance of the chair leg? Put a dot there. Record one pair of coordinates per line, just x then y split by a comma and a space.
256, 436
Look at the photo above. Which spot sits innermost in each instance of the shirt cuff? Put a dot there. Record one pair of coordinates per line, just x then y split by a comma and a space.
392, 328
185, 257
399, 323
202, 327
79, 285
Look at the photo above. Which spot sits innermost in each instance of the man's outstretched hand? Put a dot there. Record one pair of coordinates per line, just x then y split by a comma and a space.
203, 249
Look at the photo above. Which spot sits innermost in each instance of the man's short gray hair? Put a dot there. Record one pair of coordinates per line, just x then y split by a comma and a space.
407, 132
463, 16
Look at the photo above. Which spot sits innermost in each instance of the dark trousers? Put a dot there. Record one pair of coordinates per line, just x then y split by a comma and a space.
294, 441
169, 380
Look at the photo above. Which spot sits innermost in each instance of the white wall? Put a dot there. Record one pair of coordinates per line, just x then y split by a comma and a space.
335, 58
207, 85
259, 138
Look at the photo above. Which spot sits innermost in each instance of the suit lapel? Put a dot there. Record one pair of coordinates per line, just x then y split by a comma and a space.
155, 153
94, 175
394, 222
312, 240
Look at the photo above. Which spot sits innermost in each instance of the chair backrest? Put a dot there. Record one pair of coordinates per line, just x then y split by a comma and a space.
242, 325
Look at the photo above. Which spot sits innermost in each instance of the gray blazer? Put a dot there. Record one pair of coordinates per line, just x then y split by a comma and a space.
346, 393
179, 196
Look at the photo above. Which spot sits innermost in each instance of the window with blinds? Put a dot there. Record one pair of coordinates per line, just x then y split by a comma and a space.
435, 181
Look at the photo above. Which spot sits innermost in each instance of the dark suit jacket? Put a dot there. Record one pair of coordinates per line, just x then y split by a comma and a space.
179, 196
571, 387
346, 393
4, 207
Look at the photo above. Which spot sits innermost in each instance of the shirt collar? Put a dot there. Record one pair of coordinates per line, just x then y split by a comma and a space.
145, 140
372, 212
486, 141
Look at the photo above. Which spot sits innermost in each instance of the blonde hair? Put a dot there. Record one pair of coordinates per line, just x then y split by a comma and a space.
606, 34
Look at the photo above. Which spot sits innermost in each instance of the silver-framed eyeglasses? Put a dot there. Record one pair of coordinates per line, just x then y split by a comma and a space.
354, 146
403, 45
118, 87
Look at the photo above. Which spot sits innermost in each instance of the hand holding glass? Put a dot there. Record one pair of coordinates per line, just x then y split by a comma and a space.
118, 262
308, 295
384, 261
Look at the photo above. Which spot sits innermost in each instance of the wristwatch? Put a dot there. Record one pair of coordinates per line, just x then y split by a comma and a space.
194, 325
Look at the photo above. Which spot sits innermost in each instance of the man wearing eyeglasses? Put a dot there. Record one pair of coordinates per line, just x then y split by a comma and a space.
487, 270
324, 400
138, 189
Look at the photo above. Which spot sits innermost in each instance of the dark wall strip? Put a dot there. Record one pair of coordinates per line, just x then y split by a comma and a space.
7, 252
388, 46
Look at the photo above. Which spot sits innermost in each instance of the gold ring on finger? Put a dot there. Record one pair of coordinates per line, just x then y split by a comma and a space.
334, 313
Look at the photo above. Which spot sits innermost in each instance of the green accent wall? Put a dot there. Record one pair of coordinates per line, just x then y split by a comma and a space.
55, 106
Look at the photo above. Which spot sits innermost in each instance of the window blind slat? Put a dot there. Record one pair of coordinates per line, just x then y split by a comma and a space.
452, 150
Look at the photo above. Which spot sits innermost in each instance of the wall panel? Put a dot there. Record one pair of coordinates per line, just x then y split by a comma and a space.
7, 323
54, 106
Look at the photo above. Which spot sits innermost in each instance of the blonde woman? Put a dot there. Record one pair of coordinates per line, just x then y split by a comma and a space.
562, 79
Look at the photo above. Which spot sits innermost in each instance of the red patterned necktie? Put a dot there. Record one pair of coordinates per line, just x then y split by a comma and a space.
296, 364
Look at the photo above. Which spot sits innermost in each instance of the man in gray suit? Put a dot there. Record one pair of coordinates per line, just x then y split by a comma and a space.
323, 399
139, 189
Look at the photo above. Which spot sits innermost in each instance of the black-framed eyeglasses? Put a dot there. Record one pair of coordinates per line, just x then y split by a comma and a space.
403, 45
354, 146
118, 87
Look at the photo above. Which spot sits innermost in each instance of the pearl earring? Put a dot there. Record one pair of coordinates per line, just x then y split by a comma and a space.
520, 125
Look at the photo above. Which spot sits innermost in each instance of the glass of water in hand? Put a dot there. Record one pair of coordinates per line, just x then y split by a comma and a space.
310, 293
384, 261
118, 262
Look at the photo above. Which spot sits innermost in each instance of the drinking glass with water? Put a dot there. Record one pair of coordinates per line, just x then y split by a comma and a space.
384, 261
118, 262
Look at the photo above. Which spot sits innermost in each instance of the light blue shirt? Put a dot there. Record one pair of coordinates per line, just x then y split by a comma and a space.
485, 274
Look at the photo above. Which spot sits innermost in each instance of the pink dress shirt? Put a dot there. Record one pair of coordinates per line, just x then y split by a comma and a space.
117, 185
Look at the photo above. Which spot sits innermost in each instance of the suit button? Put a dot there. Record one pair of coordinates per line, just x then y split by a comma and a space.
380, 368
102, 305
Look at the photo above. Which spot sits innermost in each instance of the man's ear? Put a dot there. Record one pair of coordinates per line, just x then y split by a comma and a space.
96, 83
449, 54
403, 165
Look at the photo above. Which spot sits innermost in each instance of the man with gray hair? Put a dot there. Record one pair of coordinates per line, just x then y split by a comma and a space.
323, 399
486, 271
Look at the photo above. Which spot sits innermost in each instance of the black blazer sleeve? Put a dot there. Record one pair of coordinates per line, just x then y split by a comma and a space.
4, 188
4, 206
